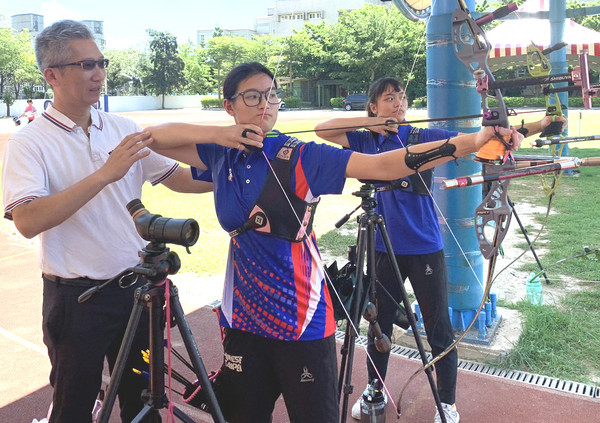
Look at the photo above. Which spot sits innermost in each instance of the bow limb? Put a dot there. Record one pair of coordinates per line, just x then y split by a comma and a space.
538, 65
472, 48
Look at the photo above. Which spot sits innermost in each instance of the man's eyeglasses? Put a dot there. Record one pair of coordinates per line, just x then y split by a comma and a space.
253, 97
86, 65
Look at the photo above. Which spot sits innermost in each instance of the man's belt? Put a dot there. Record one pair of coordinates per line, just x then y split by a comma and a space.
77, 282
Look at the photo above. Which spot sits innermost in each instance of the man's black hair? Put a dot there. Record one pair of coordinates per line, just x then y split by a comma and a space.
240, 73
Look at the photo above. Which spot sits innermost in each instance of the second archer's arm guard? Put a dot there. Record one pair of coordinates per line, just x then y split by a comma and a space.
415, 160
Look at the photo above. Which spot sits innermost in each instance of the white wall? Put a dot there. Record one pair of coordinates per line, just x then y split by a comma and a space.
120, 103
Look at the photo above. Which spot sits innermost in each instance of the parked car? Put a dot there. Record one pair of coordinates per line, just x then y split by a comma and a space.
355, 102
282, 105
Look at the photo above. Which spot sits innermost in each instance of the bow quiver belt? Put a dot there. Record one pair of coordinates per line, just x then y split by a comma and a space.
272, 214
412, 183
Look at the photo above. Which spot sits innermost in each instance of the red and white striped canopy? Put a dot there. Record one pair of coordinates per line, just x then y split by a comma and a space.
512, 37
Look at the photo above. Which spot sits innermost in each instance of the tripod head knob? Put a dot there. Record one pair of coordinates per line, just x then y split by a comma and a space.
382, 341
88, 294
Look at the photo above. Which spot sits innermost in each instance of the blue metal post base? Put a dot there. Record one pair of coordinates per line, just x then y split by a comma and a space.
482, 332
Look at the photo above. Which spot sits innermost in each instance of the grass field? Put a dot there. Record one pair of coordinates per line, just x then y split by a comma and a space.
558, 341
209, 254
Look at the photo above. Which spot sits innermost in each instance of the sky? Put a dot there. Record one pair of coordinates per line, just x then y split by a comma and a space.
126, 21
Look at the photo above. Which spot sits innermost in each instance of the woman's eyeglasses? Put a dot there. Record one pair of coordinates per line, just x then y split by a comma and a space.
253, 97
86, 65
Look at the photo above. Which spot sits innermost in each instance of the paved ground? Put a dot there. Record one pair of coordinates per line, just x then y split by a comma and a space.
24, 368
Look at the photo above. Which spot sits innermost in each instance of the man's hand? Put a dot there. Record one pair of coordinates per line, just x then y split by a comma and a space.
129, 151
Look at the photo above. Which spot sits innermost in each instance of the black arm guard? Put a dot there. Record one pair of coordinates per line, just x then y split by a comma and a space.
415, 160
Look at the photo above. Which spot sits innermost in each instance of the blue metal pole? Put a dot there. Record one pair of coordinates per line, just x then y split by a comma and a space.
451, 92
558, 59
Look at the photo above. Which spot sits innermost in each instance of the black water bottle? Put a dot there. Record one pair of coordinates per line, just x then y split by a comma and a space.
372, 408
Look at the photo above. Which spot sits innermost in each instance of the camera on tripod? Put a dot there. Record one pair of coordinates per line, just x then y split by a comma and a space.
155, 228
157, 260
160, 297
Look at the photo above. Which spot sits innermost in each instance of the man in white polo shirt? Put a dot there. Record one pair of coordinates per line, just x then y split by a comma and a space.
67, 177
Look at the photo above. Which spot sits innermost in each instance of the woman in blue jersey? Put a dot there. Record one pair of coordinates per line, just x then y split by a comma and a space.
411, 220
276, 308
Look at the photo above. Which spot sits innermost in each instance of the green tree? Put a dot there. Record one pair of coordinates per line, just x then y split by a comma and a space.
197, 72
165, 74
265, 49
218, 32
321, 63
376, 41
592, 22
26, 75
125, 73
224, 53
8, 99
300, 51
12, 56
116, 78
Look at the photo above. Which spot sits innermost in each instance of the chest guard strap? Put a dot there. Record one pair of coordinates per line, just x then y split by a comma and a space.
272, 214
412, 183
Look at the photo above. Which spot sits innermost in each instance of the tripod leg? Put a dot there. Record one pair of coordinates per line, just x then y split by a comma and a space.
381, 341
182, 416
524, 232
144, 412
411, 318
194, 354
344, 352
351, 334
120, 363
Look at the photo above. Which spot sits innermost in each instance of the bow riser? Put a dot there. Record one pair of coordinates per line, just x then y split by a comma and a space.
494, 208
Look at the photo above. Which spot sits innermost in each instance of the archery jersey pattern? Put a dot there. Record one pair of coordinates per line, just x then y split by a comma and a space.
410, 218
273, 288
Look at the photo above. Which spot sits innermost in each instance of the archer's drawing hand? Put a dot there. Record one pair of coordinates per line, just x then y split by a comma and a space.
384, 125
242, 137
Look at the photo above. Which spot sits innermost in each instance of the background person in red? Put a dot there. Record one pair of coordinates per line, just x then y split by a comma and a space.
30, 111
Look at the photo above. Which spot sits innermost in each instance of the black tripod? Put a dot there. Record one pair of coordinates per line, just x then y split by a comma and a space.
524, 232
157, 263
368, 222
